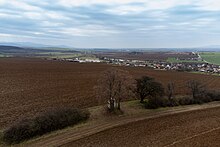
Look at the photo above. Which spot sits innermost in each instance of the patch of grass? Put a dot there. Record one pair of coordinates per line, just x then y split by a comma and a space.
134, 103
1, 139
211, 57
4, 55
58, 55
90, 57
174, 60
56, 48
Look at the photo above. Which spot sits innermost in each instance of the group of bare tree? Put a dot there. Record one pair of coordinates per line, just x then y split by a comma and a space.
116, 85
196, 88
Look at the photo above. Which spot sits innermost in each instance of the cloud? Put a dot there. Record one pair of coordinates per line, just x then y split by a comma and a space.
126, 10
210, 5
121, 21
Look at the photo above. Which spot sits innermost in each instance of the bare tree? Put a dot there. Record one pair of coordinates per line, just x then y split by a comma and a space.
113, 86
196, 88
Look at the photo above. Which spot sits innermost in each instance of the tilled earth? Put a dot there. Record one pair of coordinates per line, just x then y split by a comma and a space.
196, 128
30, 86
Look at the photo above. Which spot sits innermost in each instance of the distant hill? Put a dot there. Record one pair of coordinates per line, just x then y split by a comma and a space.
211, 46
12, 49
32, 52
31, 45
23, 44
215, 48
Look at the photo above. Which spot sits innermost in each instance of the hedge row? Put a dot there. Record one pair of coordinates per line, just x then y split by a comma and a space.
156, 102
44, 123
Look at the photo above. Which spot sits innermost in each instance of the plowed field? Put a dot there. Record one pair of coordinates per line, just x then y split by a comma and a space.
30, 86
190, 129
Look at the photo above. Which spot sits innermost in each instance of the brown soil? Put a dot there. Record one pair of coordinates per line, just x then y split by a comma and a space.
194, 128
99, 124
30, 86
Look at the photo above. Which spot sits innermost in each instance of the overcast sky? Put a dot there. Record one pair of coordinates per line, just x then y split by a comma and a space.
111, 23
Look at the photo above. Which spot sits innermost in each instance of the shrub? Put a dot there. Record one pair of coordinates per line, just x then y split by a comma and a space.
156, 102
208, 96
47, 122
213, 95
186, 101
200, 99
173, 102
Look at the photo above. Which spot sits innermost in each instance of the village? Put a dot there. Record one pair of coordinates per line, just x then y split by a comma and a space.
201, 67
163, 65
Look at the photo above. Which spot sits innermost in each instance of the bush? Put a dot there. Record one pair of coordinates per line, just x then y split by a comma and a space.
213, 95
186, 101
47, 122
156, 102
173, 102
200, 99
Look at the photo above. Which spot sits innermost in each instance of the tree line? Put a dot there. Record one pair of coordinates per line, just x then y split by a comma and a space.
116, 85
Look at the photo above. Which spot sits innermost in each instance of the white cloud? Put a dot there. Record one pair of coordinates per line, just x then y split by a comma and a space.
148, 4
87, 30
38, 33
51, 19
6, 35
2, 2
51, 24
19, 4
210, 5
33, 15
69, 3
125, 10
9, 16
56, 15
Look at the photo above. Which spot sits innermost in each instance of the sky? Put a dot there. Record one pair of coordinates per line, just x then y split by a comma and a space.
111, 23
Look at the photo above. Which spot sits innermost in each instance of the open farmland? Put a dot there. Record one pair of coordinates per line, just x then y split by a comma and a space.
30, 86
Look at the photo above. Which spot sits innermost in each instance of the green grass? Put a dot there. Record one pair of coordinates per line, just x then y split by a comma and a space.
61, 55
5, 55
1, 139
211, 57
133, 103
202, 73
56, 48
58, 55
174, 60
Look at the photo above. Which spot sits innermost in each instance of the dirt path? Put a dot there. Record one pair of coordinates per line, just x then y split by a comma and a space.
99, 125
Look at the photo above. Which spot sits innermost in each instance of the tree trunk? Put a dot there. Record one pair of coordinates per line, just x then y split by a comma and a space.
142, 100
111, 105
119, 105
